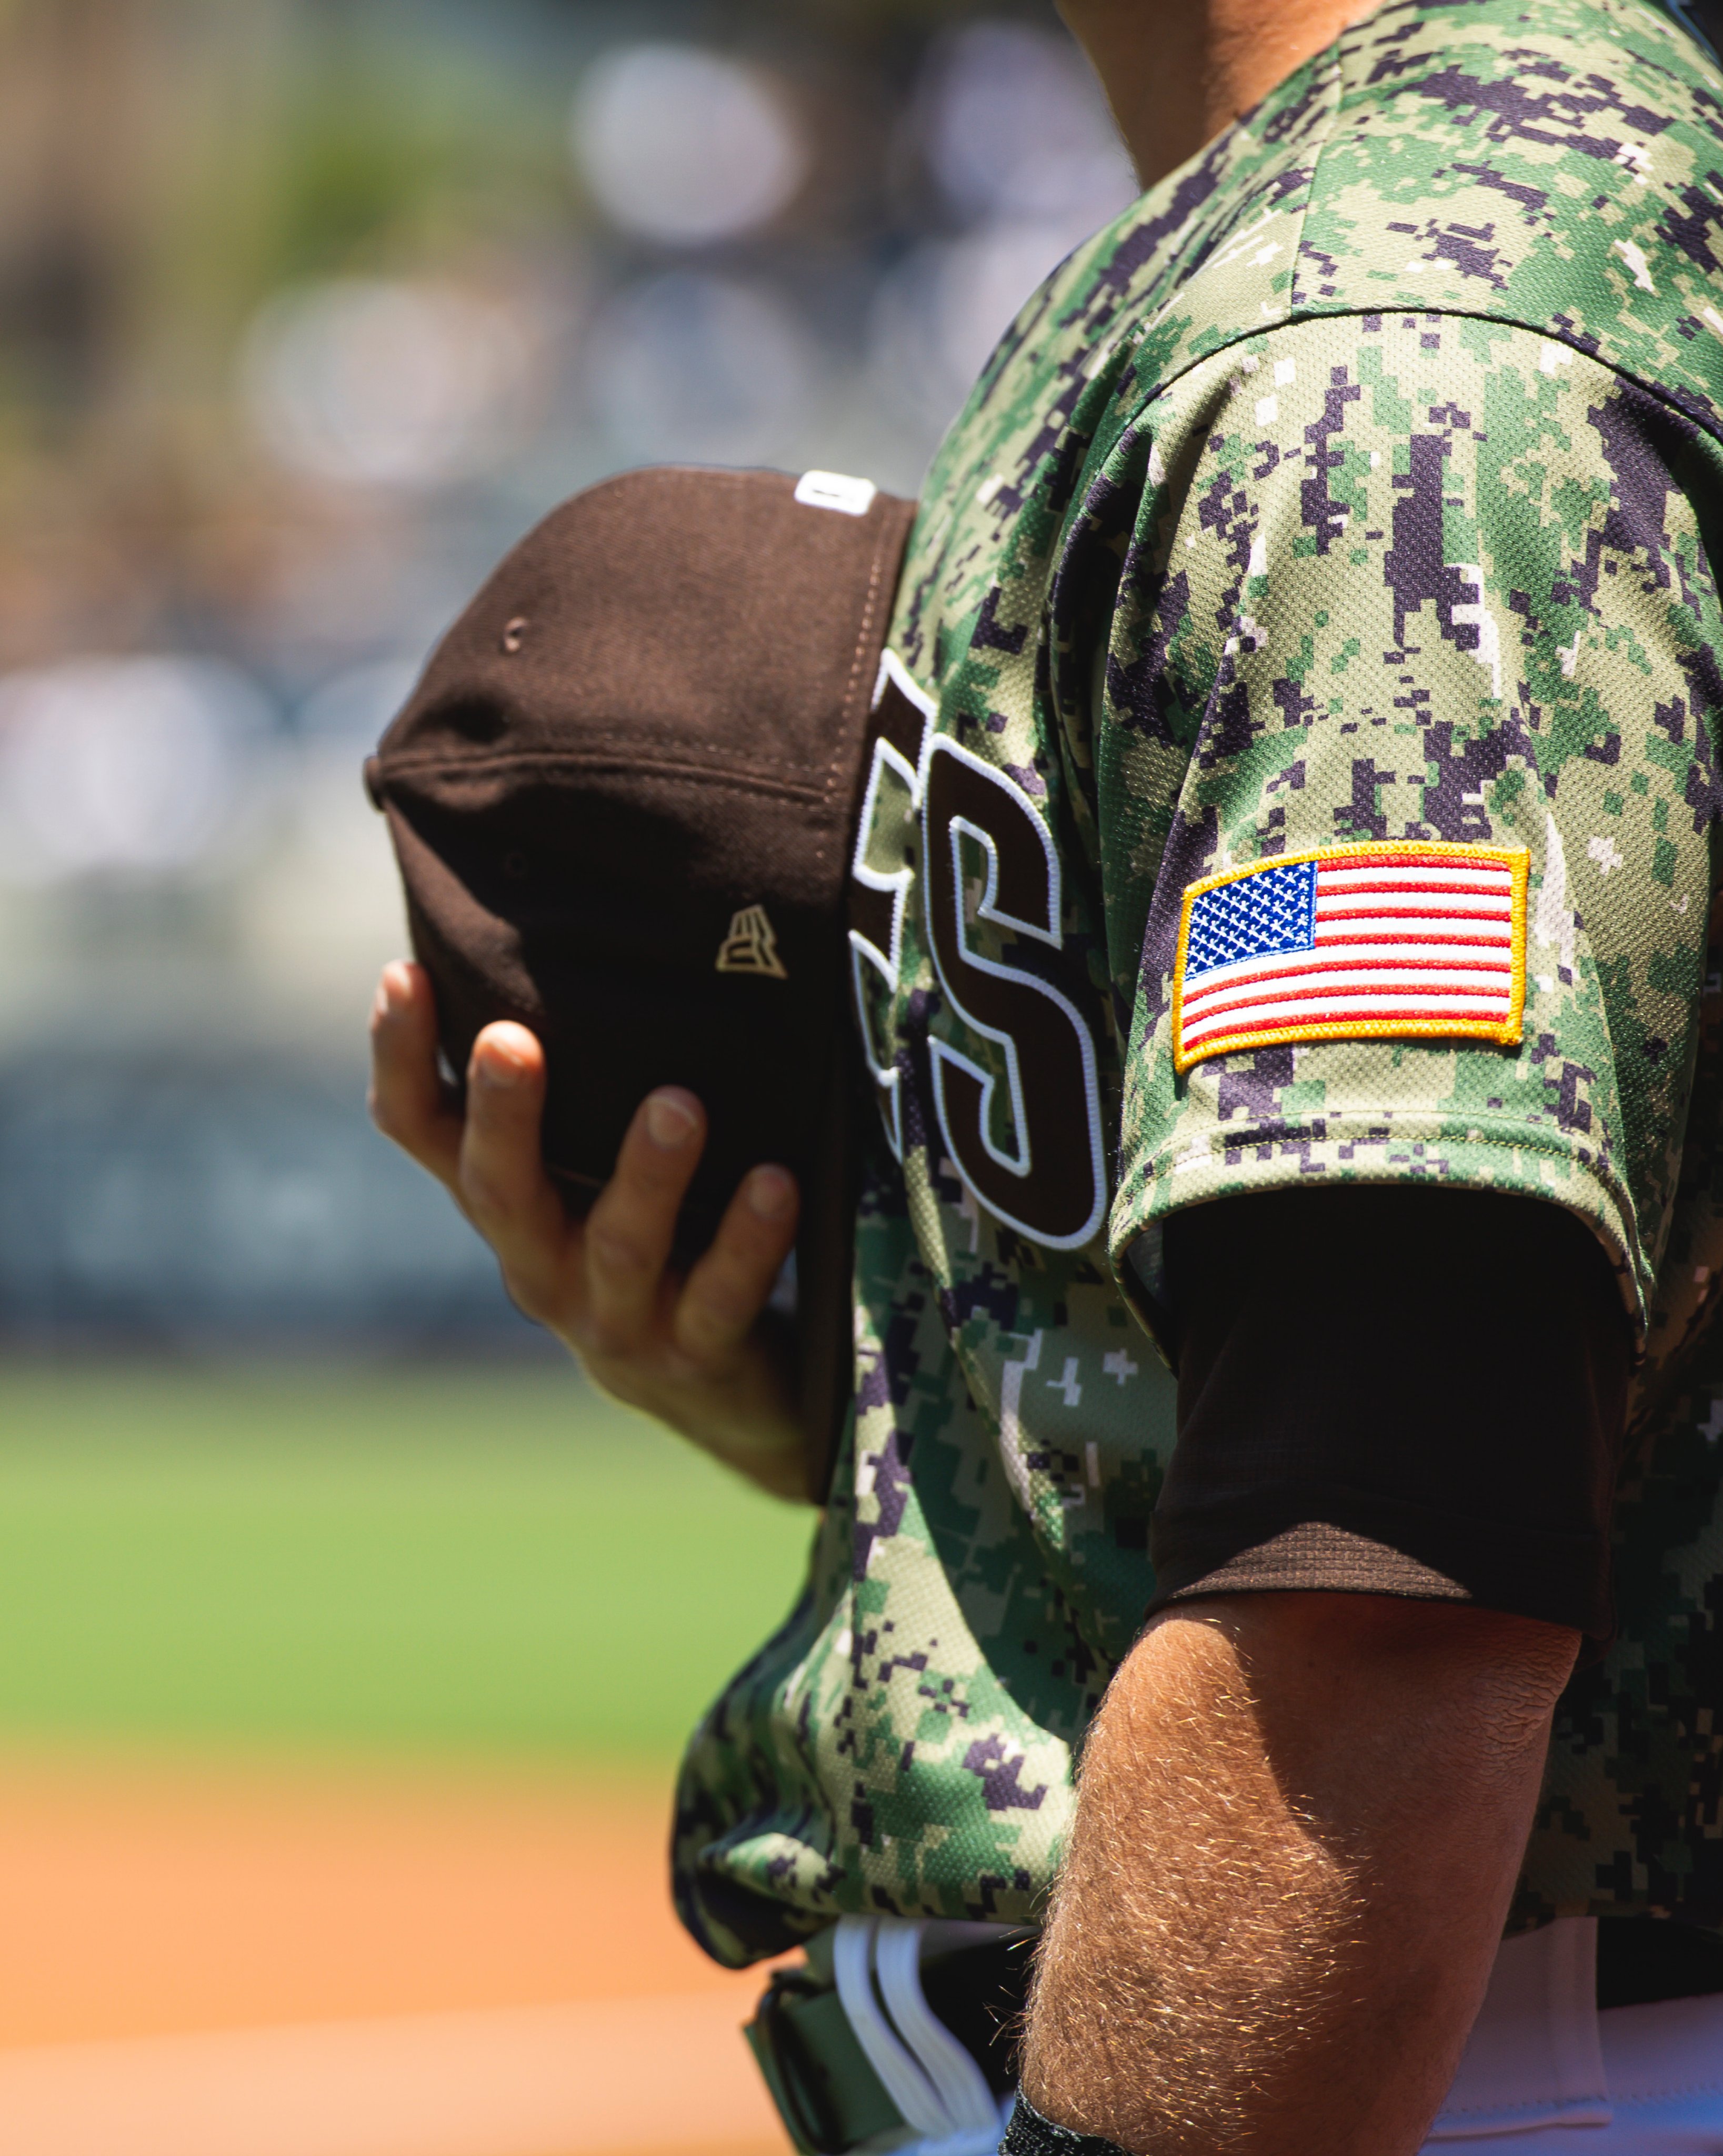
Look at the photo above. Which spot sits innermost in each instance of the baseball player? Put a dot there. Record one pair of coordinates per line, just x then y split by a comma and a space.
1282, 926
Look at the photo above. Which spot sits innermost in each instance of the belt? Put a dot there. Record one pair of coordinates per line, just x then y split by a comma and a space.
1643, 1959
849, 2058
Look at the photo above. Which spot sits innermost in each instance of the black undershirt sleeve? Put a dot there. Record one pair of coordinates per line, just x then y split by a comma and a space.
1394, 1391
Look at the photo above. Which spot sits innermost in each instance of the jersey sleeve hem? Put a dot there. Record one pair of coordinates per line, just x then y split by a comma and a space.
1486, 1153
1329, 1538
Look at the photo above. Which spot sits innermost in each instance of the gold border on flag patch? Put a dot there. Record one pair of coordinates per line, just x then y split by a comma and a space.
1385, 940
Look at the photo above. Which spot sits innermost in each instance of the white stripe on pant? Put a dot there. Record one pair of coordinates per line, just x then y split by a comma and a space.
1546, 2073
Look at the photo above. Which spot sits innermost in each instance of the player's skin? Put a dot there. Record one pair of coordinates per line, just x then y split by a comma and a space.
1177, 72
693, 1352
1301, 1816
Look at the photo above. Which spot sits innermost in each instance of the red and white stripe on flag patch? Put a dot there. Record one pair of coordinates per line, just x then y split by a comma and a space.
1387, 940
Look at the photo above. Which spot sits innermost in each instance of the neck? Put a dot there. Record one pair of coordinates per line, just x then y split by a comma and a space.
1177, 72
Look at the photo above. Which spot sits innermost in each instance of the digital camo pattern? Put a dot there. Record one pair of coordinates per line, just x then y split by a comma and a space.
1359, 483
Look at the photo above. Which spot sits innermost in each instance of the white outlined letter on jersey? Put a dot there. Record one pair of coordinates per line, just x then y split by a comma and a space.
903, 714
1053, 1187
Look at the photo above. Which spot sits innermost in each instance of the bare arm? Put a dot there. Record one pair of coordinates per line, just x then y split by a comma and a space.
1299, 1824
695, 1353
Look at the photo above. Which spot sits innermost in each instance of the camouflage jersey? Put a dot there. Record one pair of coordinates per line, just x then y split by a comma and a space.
1346, 511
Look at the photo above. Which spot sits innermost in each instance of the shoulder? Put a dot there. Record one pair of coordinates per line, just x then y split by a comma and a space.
1547, 164
1330, 476
1542, 168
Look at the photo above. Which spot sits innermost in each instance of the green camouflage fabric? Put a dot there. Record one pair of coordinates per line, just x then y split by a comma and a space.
1360, 483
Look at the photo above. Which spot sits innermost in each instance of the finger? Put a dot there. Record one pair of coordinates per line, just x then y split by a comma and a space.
502, 1182
631, 1228
407, 1100
733, 1281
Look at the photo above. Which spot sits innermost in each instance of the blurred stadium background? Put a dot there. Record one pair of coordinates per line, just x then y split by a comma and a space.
347, 1643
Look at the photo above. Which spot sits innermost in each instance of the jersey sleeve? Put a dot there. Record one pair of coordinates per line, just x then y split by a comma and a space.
1417, 614
1491, 1353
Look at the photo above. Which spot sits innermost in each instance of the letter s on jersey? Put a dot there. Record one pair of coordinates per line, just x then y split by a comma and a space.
1051, 1187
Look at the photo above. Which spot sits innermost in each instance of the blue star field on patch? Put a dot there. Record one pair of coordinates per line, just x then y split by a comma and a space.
1254, 918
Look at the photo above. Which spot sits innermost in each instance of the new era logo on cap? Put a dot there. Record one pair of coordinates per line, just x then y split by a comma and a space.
750, 947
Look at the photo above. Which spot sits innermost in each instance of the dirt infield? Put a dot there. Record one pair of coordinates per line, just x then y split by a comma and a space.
250, 1960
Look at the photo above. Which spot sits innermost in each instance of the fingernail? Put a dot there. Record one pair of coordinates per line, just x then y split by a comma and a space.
669, 1124
497, 1069
393, 992
771, 1194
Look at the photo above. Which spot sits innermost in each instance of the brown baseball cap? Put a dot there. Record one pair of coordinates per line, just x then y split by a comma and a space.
623, 798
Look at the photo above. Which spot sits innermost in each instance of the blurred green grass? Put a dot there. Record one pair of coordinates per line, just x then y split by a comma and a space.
463, 1560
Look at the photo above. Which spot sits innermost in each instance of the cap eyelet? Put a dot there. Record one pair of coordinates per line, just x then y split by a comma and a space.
515, 635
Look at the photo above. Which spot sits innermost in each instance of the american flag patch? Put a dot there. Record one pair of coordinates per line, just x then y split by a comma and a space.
1353, 941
